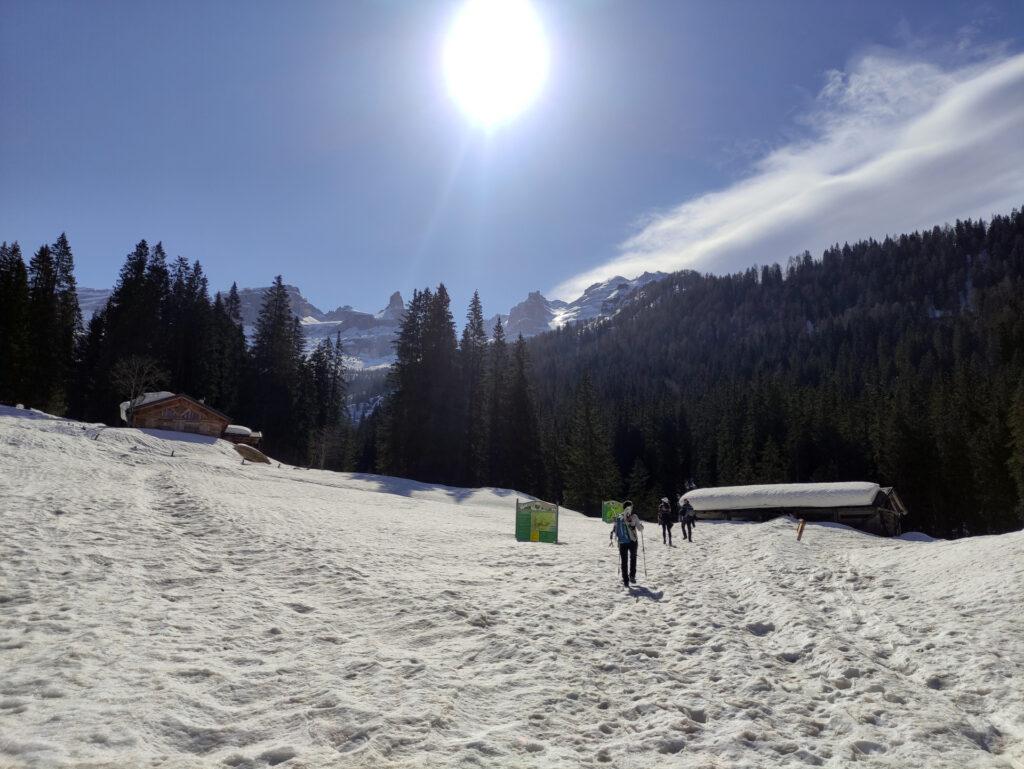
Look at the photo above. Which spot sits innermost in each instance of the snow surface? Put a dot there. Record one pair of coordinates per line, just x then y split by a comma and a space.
191, 611
850, 494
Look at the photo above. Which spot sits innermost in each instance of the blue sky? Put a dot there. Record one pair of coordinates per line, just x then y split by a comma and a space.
317, 139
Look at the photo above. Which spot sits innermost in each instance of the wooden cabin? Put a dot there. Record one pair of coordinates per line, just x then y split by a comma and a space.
240, 434
169, 411
865, 506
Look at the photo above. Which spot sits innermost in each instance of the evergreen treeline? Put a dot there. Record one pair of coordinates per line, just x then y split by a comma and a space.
459, 413
39, 325
900, 361
160, 330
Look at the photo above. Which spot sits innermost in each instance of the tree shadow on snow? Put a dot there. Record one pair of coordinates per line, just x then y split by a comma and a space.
404, 487
171, 435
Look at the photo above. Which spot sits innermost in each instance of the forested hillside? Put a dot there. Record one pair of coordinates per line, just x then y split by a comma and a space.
900, 361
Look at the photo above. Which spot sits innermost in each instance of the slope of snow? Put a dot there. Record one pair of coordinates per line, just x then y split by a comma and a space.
189, 610
847, 494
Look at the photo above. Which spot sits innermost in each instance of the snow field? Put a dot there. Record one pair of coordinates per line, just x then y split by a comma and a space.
189, 611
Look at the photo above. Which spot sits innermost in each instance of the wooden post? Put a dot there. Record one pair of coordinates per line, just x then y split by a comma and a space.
800, 529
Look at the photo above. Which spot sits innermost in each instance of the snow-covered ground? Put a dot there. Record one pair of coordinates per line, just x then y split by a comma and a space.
188, 610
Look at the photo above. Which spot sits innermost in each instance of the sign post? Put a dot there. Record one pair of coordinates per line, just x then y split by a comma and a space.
610, 510
536, 521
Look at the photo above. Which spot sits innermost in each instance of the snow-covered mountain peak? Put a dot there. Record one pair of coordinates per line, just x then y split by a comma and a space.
367, 336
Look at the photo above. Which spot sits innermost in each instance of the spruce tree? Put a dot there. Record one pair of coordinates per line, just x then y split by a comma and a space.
330, 416
232, 362
277, 365
45, 372
499, 429
639, 491
525, 462
404, 409
14, 326
441, 462
473, 367
69, 316
589, 470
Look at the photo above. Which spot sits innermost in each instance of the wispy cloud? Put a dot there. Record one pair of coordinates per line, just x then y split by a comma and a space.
896, 144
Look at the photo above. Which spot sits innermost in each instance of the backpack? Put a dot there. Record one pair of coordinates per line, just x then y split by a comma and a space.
622, 531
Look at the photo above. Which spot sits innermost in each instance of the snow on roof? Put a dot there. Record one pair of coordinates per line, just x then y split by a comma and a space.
238, 430
142, 400
851, 494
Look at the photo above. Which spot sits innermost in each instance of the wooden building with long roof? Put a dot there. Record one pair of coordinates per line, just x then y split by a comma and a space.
174, 411
862, 505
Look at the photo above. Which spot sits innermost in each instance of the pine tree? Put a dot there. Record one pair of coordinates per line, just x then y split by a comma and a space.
590, 473
232, 359
14, 325
69, 318
473, 366
442, 462
327, 391
45, 373
640, 493
277, 366
1015, 419
499, 429
404, 410
525, 462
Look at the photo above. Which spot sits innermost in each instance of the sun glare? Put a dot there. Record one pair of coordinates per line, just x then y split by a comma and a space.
495, 59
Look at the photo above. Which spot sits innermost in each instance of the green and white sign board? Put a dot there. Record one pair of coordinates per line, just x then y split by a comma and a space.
536, 521
610, 510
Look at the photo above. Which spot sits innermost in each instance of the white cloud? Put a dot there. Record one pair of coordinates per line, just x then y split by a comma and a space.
897, 145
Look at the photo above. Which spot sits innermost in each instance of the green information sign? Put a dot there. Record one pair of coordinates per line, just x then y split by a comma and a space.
536, 521
610, 510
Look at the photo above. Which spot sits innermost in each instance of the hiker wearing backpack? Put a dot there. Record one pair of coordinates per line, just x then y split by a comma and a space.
626, 531
687, 518
666, 520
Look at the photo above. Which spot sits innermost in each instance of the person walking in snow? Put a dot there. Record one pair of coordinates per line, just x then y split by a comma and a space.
666, 520
687, 517
626, 531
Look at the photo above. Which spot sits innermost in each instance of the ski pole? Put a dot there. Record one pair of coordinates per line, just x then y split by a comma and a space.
644, 551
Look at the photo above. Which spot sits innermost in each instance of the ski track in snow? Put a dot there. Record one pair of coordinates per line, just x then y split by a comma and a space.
189, 611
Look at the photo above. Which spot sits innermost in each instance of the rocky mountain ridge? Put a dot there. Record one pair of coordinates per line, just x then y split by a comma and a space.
367, 337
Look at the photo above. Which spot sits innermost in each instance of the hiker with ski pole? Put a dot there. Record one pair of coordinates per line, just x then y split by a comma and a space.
628, 531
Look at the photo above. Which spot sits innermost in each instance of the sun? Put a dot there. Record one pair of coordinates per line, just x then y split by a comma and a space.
495, 59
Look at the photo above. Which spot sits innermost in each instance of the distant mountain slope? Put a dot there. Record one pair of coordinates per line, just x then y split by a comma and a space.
536, 314
368, 337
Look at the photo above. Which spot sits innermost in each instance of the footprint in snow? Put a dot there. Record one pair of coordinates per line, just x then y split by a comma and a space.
760, 628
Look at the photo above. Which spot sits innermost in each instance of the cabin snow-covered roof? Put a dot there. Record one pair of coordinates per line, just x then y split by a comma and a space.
142, 400
849, 494
147, 399
238, 430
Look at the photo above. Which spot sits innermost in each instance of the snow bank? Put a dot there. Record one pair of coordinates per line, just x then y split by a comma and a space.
852, 494
189, 611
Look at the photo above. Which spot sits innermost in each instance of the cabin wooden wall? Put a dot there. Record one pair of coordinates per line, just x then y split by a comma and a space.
180, 415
